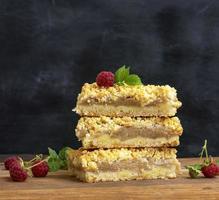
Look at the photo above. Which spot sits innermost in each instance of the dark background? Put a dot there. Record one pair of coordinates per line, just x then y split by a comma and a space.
48, 49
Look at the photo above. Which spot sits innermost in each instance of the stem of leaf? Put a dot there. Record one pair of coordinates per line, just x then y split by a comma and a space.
46, 159
204, 150
34, 159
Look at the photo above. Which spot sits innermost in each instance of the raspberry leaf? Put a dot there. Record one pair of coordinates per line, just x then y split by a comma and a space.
194, 170
54, 164
133, 79
62, 153
52, 153
63, 157
63, 164
195, 166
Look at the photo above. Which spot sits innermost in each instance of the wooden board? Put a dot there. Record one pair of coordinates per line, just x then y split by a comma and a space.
61, 186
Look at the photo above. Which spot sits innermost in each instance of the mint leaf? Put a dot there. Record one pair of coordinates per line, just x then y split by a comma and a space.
217, 162
54, 164
57, 161
133, 79
63, 159
62, 153
53, 161
63, 164
121, 74
52, 153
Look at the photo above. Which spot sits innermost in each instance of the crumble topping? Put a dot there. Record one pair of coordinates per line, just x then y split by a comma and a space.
127, 94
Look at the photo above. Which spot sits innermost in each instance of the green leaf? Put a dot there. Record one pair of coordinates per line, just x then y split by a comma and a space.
53, 161
57, 161
217, 162
195, 166
63, 159
54, 164
133, 79
194, 170
52, 153
62, 153
121, 74
63, 164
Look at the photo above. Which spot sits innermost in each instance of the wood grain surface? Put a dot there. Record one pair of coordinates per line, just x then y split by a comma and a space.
60, 185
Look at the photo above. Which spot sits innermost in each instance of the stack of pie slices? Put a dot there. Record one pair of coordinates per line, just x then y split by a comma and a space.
127, 132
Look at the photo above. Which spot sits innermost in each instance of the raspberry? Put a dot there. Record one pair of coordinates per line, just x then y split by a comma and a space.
17, 173
210, 170
217, 170
10, 161
18, 164
40, 170
105, 79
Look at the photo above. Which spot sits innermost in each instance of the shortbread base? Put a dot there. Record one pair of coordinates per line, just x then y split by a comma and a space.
156, 172
159, 110
106, 141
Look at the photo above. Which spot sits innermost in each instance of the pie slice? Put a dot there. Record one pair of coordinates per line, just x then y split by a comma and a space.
106, 132
127, 100
123, 164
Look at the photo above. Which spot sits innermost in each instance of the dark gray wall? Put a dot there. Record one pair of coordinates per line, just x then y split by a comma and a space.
48, 49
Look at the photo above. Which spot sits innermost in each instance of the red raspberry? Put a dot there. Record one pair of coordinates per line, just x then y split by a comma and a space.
17, 173
105, 79
210, 170
10, 160
18, 164
41, 169
217, 170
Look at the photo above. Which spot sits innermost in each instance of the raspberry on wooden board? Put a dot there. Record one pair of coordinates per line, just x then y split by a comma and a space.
10, 161
41, 169
17, 173
210, 170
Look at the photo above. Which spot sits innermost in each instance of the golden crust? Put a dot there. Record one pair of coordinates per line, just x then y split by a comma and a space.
141, 95
88, 160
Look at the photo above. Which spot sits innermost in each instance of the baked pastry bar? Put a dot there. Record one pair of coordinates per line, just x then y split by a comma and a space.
106, 132
127, 100
123, 164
